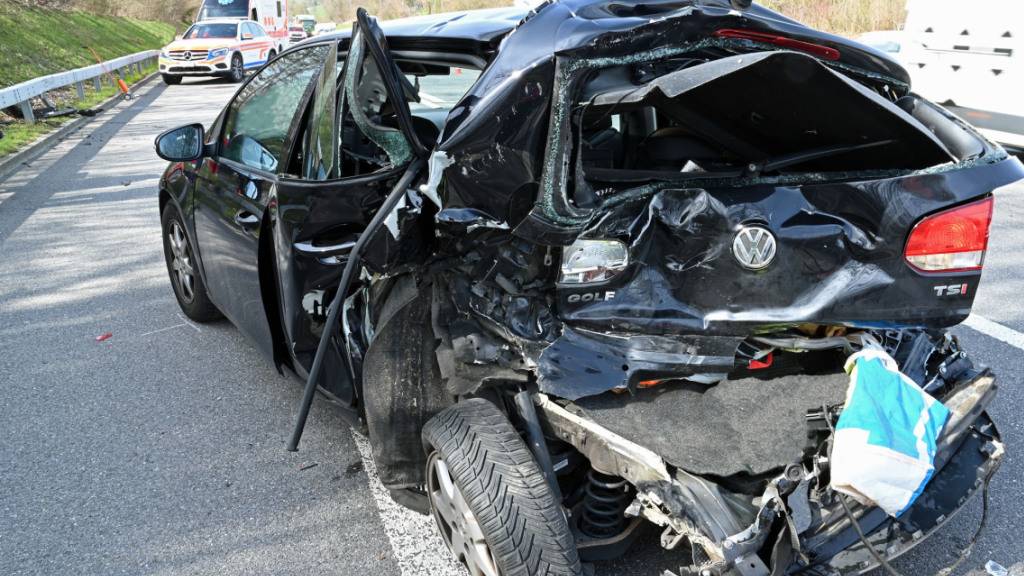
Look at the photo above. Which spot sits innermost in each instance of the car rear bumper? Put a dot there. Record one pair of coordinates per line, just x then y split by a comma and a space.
733, 531
967, 472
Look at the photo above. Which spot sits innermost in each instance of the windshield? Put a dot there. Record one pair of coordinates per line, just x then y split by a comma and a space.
224, 9
211, 31
443, 91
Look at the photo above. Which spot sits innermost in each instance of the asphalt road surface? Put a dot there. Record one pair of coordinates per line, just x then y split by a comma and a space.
161, 450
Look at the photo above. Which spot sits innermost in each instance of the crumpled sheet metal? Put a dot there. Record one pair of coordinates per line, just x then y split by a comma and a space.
775, 68
684, 279
581, 363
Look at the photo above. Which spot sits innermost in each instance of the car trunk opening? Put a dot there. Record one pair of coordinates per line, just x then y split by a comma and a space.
749, 116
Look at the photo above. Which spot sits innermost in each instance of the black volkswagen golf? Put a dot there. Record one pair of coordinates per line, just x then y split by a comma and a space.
603, 265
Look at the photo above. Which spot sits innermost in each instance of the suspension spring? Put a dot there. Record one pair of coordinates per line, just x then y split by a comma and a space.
604, 502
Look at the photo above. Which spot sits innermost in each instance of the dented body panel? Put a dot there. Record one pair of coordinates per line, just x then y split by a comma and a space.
748, 188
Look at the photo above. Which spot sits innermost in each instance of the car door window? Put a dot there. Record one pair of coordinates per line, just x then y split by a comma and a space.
258, 120
321, 144
370, 135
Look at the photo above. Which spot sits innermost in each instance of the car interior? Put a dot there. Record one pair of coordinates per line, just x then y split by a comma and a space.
432, 88
727, 118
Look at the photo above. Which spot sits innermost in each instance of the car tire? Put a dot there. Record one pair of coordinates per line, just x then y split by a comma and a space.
480, 471
272, 55
171, 80
237, 73
186, 281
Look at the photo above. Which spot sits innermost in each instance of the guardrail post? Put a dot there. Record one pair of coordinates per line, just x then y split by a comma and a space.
120, 72
97, 83
80, 87
26, 112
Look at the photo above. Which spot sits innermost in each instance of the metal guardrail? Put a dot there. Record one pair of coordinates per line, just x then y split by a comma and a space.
21, 94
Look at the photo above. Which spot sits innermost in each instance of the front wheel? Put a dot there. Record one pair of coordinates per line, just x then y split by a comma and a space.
188, 285
237, 69
493, 506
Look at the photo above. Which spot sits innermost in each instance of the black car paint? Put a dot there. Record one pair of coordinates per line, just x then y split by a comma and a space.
673, 309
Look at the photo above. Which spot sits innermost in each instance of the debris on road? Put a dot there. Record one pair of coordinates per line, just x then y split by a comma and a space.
308, 466
105, 336
996, 569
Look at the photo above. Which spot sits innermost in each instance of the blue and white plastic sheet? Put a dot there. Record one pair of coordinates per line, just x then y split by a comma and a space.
885, 440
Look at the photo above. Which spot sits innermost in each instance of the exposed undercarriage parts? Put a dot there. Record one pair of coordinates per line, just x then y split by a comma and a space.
631, 270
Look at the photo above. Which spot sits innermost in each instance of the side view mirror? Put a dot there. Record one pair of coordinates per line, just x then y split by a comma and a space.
181, 144
246, 36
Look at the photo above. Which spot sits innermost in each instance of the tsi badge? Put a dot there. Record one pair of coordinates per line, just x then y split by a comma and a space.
754, 247
951, 290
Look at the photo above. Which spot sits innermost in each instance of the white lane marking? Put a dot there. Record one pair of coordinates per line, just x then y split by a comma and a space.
161, 330
995, 330
414, 538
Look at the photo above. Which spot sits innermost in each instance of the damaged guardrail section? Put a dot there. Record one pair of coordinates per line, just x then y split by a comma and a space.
21, 95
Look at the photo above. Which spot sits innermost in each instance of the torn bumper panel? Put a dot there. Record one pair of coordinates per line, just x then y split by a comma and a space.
796, 525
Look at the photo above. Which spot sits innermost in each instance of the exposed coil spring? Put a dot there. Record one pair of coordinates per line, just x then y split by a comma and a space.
604, 502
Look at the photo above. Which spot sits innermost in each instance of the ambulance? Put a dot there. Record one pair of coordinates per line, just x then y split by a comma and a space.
272, 15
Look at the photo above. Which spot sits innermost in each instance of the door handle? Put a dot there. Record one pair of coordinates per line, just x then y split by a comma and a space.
324, 251
247, 219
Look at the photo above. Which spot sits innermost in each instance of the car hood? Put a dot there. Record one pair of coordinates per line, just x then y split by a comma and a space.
200, 44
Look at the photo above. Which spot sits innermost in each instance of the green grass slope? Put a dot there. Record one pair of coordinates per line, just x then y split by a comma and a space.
38, 41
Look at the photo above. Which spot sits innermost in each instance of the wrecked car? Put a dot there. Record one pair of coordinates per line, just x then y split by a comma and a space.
602, 266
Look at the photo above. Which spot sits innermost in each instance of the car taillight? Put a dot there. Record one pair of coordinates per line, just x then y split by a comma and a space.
818, 50
951, 241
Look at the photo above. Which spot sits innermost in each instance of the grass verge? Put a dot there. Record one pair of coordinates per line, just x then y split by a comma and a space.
39, 41
845, 17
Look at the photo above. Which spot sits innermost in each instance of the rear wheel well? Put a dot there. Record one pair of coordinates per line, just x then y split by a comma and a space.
164, 199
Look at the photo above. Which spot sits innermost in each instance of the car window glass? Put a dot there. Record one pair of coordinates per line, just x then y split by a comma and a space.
442, 91
370, 137
210, 31
322, 138
258, 120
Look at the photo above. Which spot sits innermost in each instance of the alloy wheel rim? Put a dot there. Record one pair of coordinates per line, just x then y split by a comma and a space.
236, 66
181, 262
459, 526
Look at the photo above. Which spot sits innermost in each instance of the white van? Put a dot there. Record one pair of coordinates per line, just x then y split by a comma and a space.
968, 56
271, 14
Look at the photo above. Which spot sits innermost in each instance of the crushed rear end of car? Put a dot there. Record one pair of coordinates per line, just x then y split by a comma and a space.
670, 226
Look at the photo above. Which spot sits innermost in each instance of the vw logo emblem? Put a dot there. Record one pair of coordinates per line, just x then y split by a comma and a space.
188, 55
754, 247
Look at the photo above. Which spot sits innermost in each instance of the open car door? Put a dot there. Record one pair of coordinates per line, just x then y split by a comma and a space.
357, 145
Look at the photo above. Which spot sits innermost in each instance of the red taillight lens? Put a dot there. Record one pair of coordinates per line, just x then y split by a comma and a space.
951, 241
782, 41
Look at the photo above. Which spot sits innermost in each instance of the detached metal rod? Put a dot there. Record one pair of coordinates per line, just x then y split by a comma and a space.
524, 402
332, 312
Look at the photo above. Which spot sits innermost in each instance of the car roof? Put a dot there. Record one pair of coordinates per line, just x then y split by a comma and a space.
477, 25
222, 21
